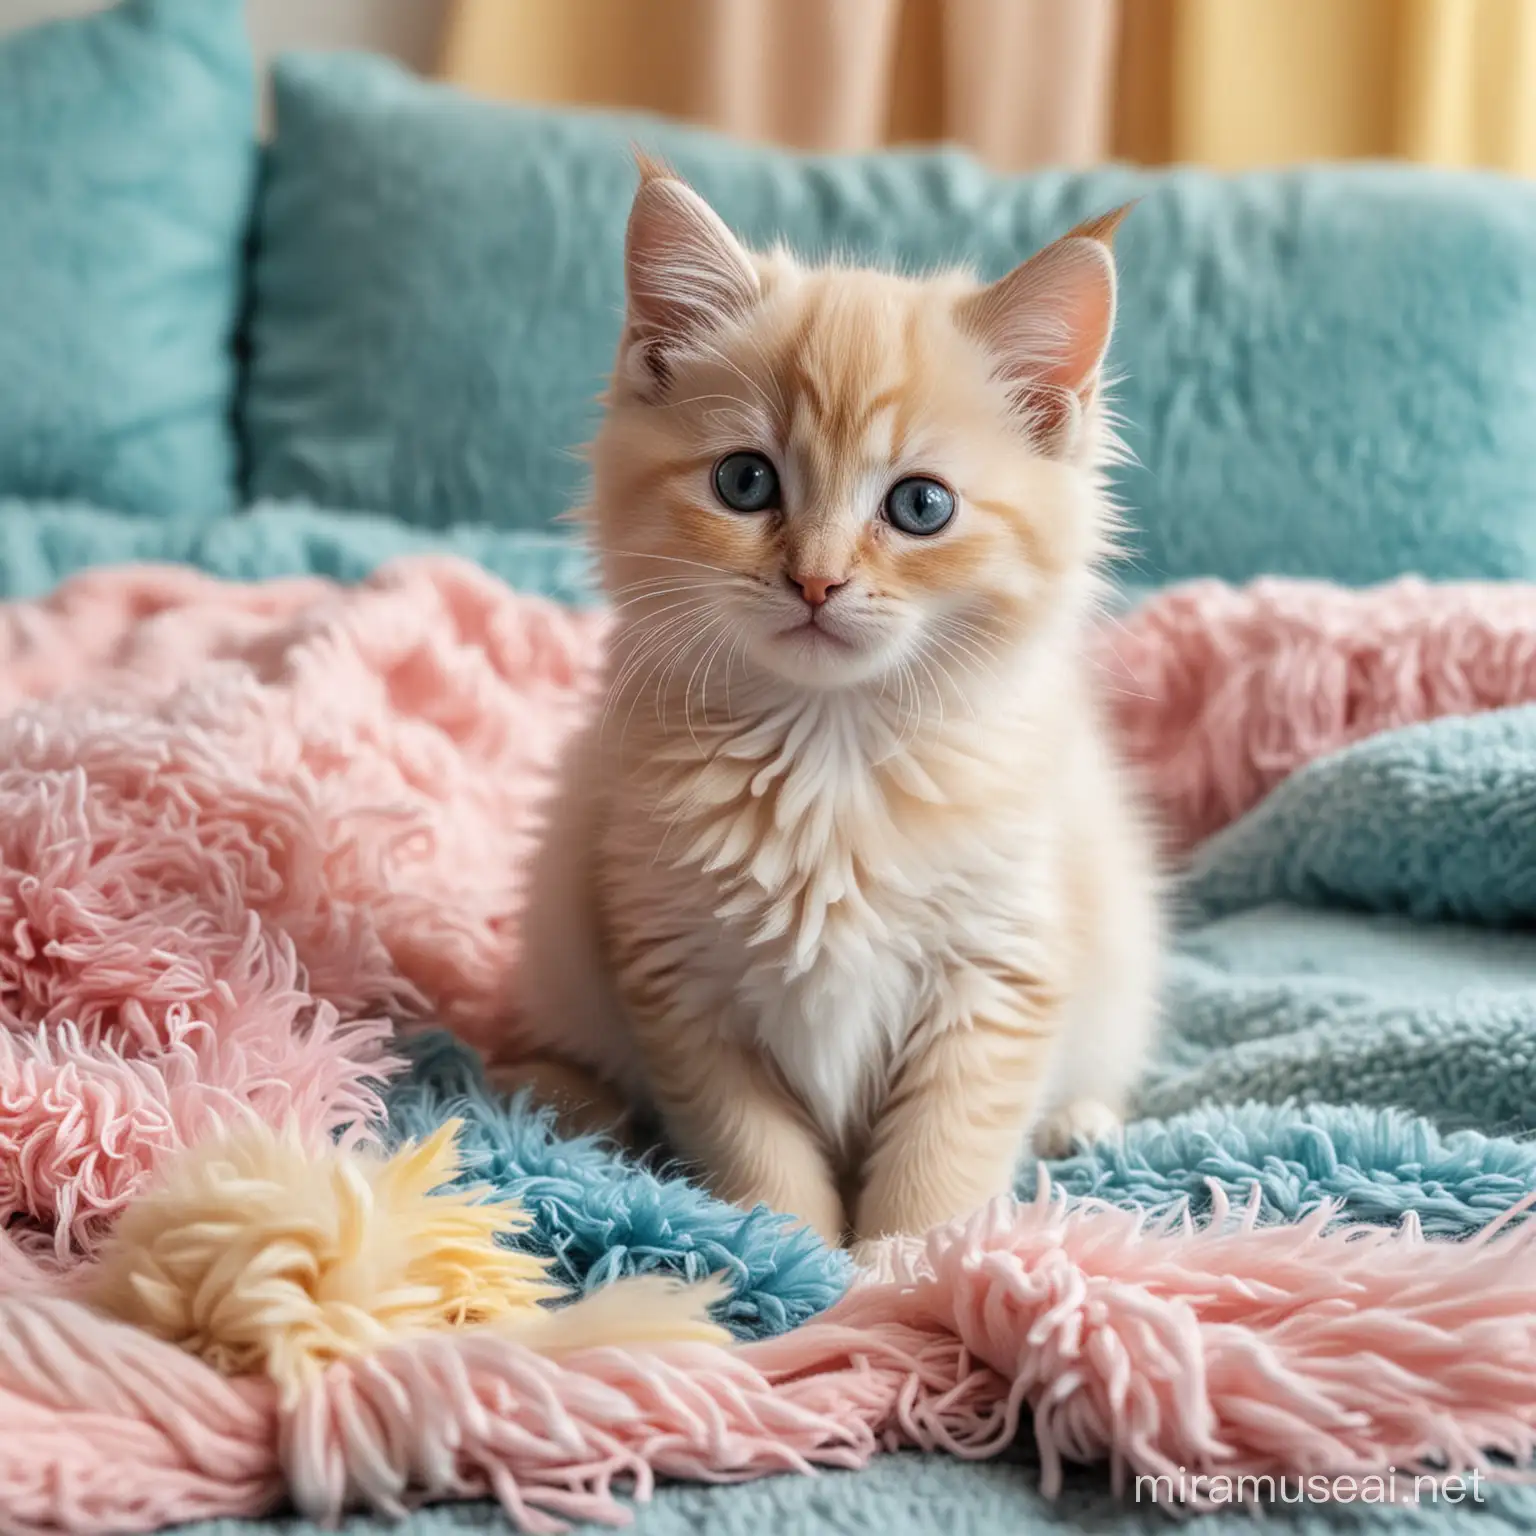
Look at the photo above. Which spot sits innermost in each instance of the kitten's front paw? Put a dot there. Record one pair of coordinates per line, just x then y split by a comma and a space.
1081, 1123
884, 1259
873, 1257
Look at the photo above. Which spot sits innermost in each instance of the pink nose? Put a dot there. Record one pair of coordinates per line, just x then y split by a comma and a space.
816, 589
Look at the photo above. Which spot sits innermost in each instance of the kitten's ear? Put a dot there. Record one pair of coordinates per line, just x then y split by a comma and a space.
1048, 324
685, 273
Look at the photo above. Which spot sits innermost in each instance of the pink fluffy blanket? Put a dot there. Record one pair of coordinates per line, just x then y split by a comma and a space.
244, 831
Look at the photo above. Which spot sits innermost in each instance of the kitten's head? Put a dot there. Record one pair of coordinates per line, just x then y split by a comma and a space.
837, 473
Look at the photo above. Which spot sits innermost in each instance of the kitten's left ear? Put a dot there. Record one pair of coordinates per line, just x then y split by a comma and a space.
685, 273
1048, 324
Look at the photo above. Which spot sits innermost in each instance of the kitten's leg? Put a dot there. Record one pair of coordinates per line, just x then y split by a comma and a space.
1104, 1045
951, 1134
723, 1107
568, 1024
1110, 1021
1112, 910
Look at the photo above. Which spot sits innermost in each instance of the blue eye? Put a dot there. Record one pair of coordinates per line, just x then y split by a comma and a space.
747, 482
919, 506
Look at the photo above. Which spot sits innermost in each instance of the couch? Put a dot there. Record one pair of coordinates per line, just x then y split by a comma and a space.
385, 333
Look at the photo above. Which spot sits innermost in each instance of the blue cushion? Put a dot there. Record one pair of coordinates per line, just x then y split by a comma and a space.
127, 153
43, 542
1326, 372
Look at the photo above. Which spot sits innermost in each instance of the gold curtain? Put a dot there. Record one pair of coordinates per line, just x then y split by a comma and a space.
1235, 83
1227, 83
1023, 82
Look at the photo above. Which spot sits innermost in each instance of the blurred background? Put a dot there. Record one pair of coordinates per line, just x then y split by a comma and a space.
1224, 83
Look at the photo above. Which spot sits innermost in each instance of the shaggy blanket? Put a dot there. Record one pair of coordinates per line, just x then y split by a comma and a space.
252, 838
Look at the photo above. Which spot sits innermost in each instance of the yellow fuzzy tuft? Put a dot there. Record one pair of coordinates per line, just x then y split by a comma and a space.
259, 1253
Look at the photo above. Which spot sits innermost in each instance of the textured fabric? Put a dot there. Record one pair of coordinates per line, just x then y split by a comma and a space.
42, 543
1376, 1165
1281, 1003
599, 1215
1224, 691
263, 755
1022, 82
1192, 1360
1366, 935
1277, 82
916, 1494
127, 159
1437, 820
1327, 372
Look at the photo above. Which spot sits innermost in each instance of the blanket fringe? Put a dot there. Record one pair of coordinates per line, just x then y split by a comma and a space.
277, 820
1225, 1349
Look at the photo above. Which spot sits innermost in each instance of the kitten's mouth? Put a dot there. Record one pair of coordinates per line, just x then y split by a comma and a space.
812, 633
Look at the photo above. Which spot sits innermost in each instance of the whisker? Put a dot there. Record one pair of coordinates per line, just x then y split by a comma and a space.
645, 554
694, 636
917, 712
672, 405
706, 661
956, 643
769, 373
673, 591
682, 603
945, 671
628, 668
937, 690
730, 661
960, 651
676, 626
647, 582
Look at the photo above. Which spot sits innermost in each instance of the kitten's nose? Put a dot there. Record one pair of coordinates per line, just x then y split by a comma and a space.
816, 589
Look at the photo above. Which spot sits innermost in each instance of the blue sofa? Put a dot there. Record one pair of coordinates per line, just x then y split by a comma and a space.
387, 330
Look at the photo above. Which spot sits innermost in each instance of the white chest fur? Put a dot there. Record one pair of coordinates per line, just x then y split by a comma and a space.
834, 866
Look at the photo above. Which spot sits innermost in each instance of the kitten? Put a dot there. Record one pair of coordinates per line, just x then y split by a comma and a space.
843, 877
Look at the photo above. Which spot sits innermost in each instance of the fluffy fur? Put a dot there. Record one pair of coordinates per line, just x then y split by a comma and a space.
843, 876
599, 1215
306, 808
1228, 1351
1222, 692
260, 1252
354, 771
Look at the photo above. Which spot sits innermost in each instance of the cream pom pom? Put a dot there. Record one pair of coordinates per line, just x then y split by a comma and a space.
261, 1253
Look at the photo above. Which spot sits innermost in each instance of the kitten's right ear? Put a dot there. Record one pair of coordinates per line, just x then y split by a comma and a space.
685, 273
1048, 323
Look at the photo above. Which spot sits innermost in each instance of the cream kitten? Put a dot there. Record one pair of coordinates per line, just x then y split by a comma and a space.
843, 877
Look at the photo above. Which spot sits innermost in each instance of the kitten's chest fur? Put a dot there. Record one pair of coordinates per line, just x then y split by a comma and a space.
820, 869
